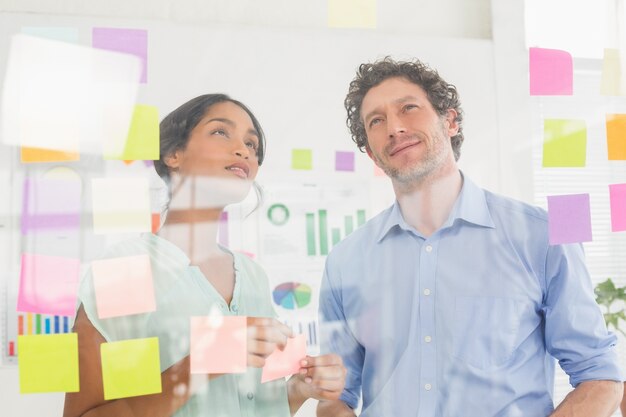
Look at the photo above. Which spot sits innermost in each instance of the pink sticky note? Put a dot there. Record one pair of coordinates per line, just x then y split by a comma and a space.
48, 285
123, 286
51, 204
551, 72
617, 195
128, 41
569, 219
285, 362
344, 161
218, 345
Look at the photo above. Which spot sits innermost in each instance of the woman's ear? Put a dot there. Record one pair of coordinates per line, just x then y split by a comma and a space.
173, 160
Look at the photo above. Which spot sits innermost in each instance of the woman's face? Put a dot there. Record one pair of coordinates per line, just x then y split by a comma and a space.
223, 144
221, 154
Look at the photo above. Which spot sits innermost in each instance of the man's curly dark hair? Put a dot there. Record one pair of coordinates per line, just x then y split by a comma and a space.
442, 96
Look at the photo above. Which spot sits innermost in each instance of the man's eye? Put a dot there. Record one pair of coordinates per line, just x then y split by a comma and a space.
409, 107
375, 121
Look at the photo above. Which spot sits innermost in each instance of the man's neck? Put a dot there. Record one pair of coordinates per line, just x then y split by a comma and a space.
426, 205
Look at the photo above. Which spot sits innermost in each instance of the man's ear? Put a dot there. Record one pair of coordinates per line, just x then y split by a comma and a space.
451, 124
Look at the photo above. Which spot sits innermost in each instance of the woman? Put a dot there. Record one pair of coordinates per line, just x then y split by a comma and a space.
211, 149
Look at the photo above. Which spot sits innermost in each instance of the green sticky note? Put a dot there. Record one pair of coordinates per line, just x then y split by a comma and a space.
143, 136
302, 159
48, 363
564, 143
131, 368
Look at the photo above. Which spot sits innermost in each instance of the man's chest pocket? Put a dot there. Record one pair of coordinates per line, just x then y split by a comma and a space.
485, 330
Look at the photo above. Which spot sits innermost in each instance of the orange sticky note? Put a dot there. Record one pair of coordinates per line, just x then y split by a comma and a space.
30, 155
218, 344
285, 362
130, 368
123, 286
616, 136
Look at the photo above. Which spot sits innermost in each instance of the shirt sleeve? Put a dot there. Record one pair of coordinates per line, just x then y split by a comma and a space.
336, 335
575, 331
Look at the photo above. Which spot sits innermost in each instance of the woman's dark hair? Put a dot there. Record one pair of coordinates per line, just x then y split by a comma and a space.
442, 95
176, 127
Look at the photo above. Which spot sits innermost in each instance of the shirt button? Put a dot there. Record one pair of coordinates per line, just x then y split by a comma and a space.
234, 308
427, 339
250, 395
426, 291
428, 387
429, 248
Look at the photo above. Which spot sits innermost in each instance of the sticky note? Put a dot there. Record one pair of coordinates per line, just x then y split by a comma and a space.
63, 34
344, 161
123, 286
617, 195
218, 344
48, 363
34, 155
48, 284
286, 362
616, 136
156, 222
128, 41
51, 204
121, 205
62, 97
551, 72
131, 368
611, 82
302, 159
143, 136
352, 14
569, 219
564, 143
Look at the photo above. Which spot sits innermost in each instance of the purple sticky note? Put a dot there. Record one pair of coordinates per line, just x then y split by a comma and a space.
617, 195
48, 285
128, 41
551, 72
569, 219
344, 161
51, 204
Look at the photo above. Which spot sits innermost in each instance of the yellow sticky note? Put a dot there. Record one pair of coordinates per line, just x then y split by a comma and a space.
131, 368
48, 363
611, 82
352, 14
616, 136
30, 155
143, 136
121, 205
302, 159
565, 143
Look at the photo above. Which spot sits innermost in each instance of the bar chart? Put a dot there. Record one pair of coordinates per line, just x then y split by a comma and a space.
31, 323
318, 238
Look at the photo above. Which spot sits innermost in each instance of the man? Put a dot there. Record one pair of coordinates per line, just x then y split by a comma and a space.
451, 302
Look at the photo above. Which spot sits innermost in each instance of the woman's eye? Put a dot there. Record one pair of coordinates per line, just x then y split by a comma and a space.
220, 132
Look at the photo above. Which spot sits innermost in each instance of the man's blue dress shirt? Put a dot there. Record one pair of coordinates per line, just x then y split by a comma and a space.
466, 322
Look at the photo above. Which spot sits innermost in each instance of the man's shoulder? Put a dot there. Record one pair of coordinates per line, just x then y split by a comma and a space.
506, 209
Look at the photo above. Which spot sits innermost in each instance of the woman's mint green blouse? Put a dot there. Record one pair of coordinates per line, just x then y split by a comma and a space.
182, 291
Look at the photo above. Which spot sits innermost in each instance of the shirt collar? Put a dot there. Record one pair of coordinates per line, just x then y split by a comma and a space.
470, 206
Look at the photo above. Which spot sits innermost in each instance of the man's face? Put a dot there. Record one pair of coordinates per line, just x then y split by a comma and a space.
406, 137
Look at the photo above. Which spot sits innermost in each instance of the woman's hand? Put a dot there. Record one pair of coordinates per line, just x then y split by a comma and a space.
321, 377
264, 336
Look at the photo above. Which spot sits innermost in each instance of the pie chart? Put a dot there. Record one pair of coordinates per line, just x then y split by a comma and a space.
292, 295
